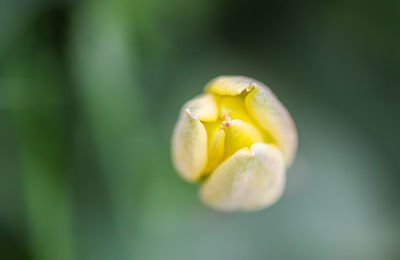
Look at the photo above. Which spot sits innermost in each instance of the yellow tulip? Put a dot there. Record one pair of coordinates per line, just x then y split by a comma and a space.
237, 140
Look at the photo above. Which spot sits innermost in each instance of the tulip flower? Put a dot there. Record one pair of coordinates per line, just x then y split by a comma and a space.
237, 140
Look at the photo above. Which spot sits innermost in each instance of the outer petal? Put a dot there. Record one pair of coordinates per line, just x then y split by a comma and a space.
204, 107
229, 85
274, 118
189, 146
249, 180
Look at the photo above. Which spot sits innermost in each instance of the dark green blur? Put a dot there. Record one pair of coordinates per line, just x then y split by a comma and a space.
90, 92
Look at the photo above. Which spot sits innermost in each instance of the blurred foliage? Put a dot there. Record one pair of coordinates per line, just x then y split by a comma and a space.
90, 92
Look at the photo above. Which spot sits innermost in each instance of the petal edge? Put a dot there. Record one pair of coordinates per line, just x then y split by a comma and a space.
189, 146
248, 180
273, 117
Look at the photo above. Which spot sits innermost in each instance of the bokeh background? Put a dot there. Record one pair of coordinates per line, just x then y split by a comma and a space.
90, 92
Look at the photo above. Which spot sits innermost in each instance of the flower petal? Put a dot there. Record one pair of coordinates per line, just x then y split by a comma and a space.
249, 180
230, 85
240, 134
204, 107
275, 119
234, 107
189, 146
216, 140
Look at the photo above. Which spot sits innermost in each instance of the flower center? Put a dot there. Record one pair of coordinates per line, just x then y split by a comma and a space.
226, 120
234, 130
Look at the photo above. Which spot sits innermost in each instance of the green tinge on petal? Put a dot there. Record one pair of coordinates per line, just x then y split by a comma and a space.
273, 117
189, 146
204, 107
230, 85
251, 179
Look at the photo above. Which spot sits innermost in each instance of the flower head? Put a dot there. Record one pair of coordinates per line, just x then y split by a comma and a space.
237, 140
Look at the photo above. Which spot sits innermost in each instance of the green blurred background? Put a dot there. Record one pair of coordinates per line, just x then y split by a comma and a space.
90, 92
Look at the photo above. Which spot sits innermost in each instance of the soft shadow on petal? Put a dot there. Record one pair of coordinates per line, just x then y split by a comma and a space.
189, 146
275, 119
251, 179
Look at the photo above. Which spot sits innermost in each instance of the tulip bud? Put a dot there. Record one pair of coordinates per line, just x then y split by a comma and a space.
237, 140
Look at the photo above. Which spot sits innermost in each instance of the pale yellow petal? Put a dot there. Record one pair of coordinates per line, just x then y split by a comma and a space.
273, 117
189, 146
204, 107
240, 134
216, 140
230, 85
249, 180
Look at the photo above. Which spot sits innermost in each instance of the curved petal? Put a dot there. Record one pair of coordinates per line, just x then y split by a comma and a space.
204, 107
275, 119
189, 146
230, 85
234, 107
240, 134
215, 140
249, 180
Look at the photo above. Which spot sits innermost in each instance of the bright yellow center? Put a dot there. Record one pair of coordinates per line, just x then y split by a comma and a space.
233, 130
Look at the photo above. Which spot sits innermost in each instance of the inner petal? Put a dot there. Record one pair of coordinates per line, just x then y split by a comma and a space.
239, 134
215, 145
234, 106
